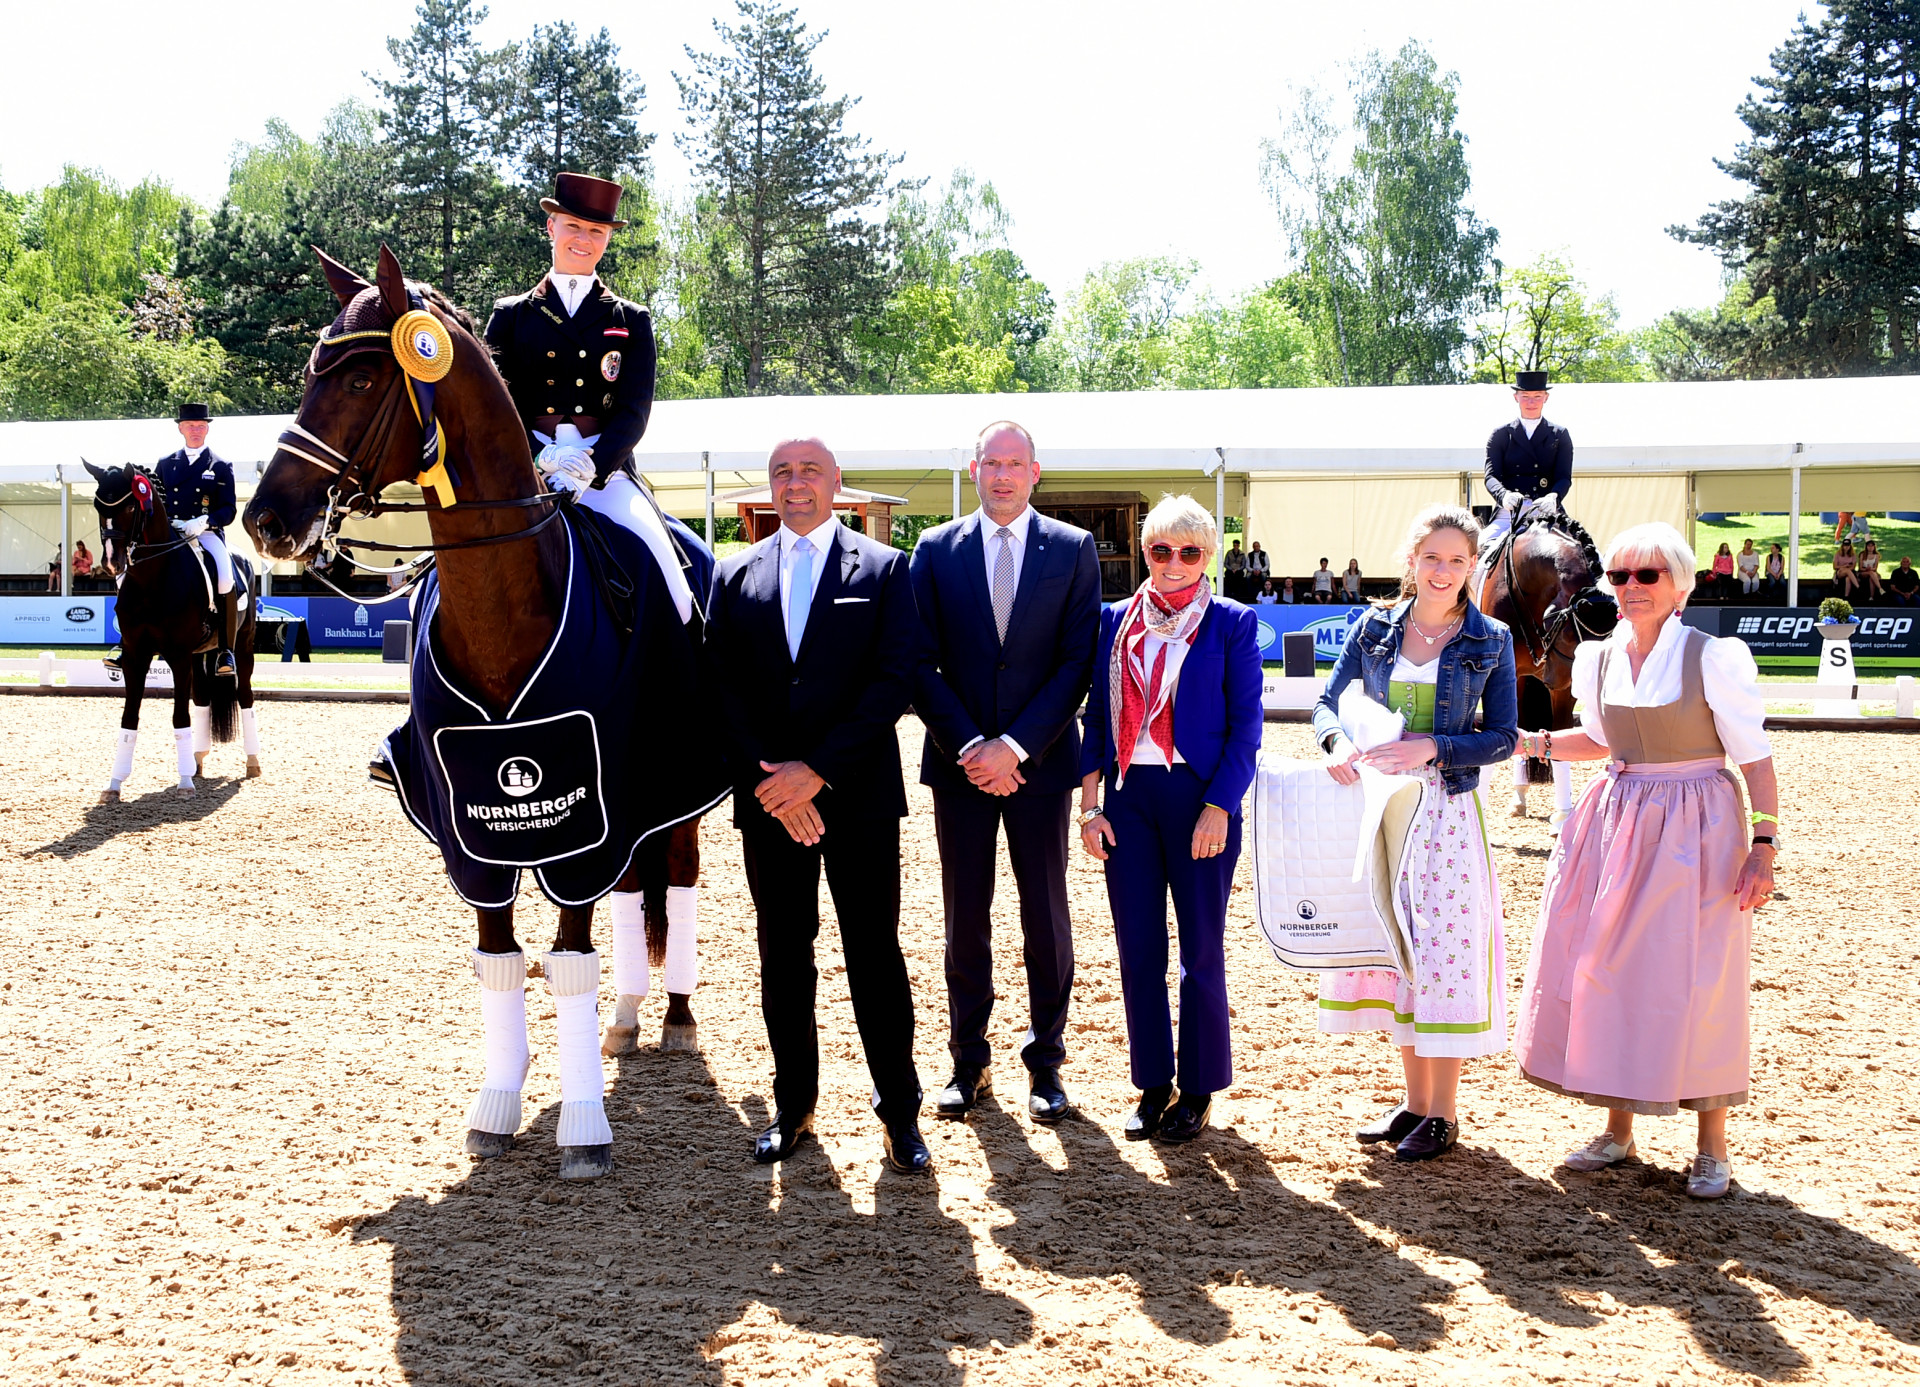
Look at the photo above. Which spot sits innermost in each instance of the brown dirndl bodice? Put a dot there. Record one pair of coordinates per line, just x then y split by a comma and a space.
1679, 731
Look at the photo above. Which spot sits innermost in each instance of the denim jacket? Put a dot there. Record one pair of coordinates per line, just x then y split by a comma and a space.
1475, 675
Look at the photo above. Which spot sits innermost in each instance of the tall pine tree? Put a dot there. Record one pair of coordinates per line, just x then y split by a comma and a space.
1826, 237
796, 251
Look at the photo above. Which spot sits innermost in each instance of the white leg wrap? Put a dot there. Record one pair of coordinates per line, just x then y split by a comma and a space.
122, 758
202, 726
1519, 772
250, 731
683, 940
183, 754
574, 981
503, 1011
630, 971
1563, 786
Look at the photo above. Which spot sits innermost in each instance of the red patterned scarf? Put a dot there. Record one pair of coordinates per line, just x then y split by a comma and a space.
1136, 695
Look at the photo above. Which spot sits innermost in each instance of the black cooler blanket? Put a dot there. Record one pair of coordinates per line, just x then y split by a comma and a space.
606, 743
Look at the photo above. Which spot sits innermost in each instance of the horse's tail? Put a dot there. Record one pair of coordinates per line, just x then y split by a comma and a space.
1536, 710
223, 698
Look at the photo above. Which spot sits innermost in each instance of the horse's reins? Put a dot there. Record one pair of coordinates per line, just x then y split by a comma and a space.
1554, 623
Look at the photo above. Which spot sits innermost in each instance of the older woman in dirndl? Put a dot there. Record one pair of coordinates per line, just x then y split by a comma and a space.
1636, 995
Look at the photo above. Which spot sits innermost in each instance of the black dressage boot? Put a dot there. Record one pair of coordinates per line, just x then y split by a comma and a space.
229, 627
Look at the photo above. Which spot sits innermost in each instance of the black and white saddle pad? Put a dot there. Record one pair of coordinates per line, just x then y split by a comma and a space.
606, 743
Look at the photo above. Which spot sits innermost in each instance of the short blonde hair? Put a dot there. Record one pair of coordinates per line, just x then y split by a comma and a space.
1180, 520
1656, 540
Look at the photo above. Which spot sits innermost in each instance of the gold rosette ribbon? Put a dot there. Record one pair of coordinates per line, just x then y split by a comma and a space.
423, 346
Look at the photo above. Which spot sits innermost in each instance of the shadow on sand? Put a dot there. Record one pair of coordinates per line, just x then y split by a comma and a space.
102, 823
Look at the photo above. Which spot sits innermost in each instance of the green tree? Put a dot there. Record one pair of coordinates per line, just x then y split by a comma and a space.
1391, 261
86, 237
1546, 321
80, 358
1827, 233
447, 121
1117, 332
1254, 342
1726, 343
796, 261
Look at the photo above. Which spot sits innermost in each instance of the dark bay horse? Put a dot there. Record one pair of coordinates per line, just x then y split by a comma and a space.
166, 609
1544, 585
502, 573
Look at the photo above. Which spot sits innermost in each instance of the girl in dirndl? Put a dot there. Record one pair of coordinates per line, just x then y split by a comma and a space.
1438, 659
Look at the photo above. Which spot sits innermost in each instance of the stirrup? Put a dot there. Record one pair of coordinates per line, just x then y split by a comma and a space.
112, 659
223, 667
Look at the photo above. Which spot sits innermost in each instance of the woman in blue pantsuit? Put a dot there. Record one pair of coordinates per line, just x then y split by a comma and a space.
1173, 728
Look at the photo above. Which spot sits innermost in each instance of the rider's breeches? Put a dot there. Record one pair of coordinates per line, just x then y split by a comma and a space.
622, 502
222, 562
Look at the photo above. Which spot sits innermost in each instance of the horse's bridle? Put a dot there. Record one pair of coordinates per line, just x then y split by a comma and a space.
349, 494
1554, 623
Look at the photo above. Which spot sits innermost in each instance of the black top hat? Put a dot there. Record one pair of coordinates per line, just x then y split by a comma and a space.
192, 414
1529, 380
583, 196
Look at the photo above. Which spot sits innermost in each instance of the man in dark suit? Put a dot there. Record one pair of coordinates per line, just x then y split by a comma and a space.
1011, 601
1528, 459
813, 641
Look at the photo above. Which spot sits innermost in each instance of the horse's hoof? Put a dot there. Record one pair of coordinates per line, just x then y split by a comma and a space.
685, 1038
1519, 811
618, 1040
586, 1162
487, 1145
184, 792
109, 797
1558, 821
253, 768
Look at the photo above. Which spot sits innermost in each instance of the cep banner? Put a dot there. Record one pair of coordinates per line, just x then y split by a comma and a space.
1885, 632
54, 620
1329, 625
524, 793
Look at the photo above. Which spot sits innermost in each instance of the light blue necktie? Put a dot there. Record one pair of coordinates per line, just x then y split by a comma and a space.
799, 594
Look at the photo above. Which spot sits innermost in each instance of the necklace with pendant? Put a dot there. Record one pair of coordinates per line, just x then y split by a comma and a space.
1432, 640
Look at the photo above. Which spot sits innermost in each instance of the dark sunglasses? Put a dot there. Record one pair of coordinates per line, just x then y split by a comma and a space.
1645, 577
1163, 553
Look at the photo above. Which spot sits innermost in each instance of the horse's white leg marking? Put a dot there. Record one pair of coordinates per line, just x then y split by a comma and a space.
682, 970
630, 970
202, 725
574, 982
503, 1012
122, 759
183, 756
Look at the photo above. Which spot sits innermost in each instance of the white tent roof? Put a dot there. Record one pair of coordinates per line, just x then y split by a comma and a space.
1616, 428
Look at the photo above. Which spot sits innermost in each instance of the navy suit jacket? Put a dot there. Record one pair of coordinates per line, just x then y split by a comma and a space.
835, 706
1532, 466
193, 489
1217, 708
970, 685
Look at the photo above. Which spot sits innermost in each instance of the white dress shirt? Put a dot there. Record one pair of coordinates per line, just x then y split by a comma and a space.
990, 543
193, 454
572, 289
1728, 677
822, 539
1529, 425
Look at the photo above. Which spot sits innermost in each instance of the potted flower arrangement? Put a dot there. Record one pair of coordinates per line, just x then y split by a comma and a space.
1836, 620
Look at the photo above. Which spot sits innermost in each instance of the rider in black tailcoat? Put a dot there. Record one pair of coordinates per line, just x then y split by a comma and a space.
197, 485
1528, 459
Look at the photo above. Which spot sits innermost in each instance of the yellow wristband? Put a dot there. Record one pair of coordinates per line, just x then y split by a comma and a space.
1760, 818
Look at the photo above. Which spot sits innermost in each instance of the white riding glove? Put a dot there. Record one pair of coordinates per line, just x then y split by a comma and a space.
567, 454
1513, 501
190, 529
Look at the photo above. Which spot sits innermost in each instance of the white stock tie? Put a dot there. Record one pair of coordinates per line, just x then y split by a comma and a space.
1003, 581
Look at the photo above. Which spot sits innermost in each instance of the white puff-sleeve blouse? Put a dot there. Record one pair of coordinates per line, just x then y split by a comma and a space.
1728, 677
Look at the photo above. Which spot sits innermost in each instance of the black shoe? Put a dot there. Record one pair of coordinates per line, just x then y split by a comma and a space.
112, 659
1146, 1118
969, 1084
1391, 1126
1048, 1100
1434, 1137
906, 1149
223, 665
1186, 1119
778, 1141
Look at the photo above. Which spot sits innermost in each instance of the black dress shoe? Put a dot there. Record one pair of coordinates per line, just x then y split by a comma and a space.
112, 659
1186, 1119
906, 1149
1434, 1137
778, 1141
1146, 1118
1391, 1126
1048, 1101
969, 1084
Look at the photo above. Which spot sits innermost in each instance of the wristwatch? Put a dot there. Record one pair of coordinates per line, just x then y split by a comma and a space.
1087, 816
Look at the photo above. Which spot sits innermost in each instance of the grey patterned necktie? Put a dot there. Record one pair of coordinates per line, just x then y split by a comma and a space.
1003, 581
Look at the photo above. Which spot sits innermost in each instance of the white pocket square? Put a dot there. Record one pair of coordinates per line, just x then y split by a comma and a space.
838, 600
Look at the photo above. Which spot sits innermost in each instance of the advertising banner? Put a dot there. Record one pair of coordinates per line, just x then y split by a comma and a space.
1886, 633
1329, 625
339, 623
54, 620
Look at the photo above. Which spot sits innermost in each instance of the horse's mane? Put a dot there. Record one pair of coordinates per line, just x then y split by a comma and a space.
1575, 531
446, 305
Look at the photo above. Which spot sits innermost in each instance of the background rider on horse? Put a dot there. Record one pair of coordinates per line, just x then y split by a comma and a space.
1528, 460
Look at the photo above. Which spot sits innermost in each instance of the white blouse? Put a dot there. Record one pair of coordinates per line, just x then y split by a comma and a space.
1728, 677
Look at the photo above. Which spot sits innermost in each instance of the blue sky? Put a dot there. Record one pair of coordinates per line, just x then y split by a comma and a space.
1111, 129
